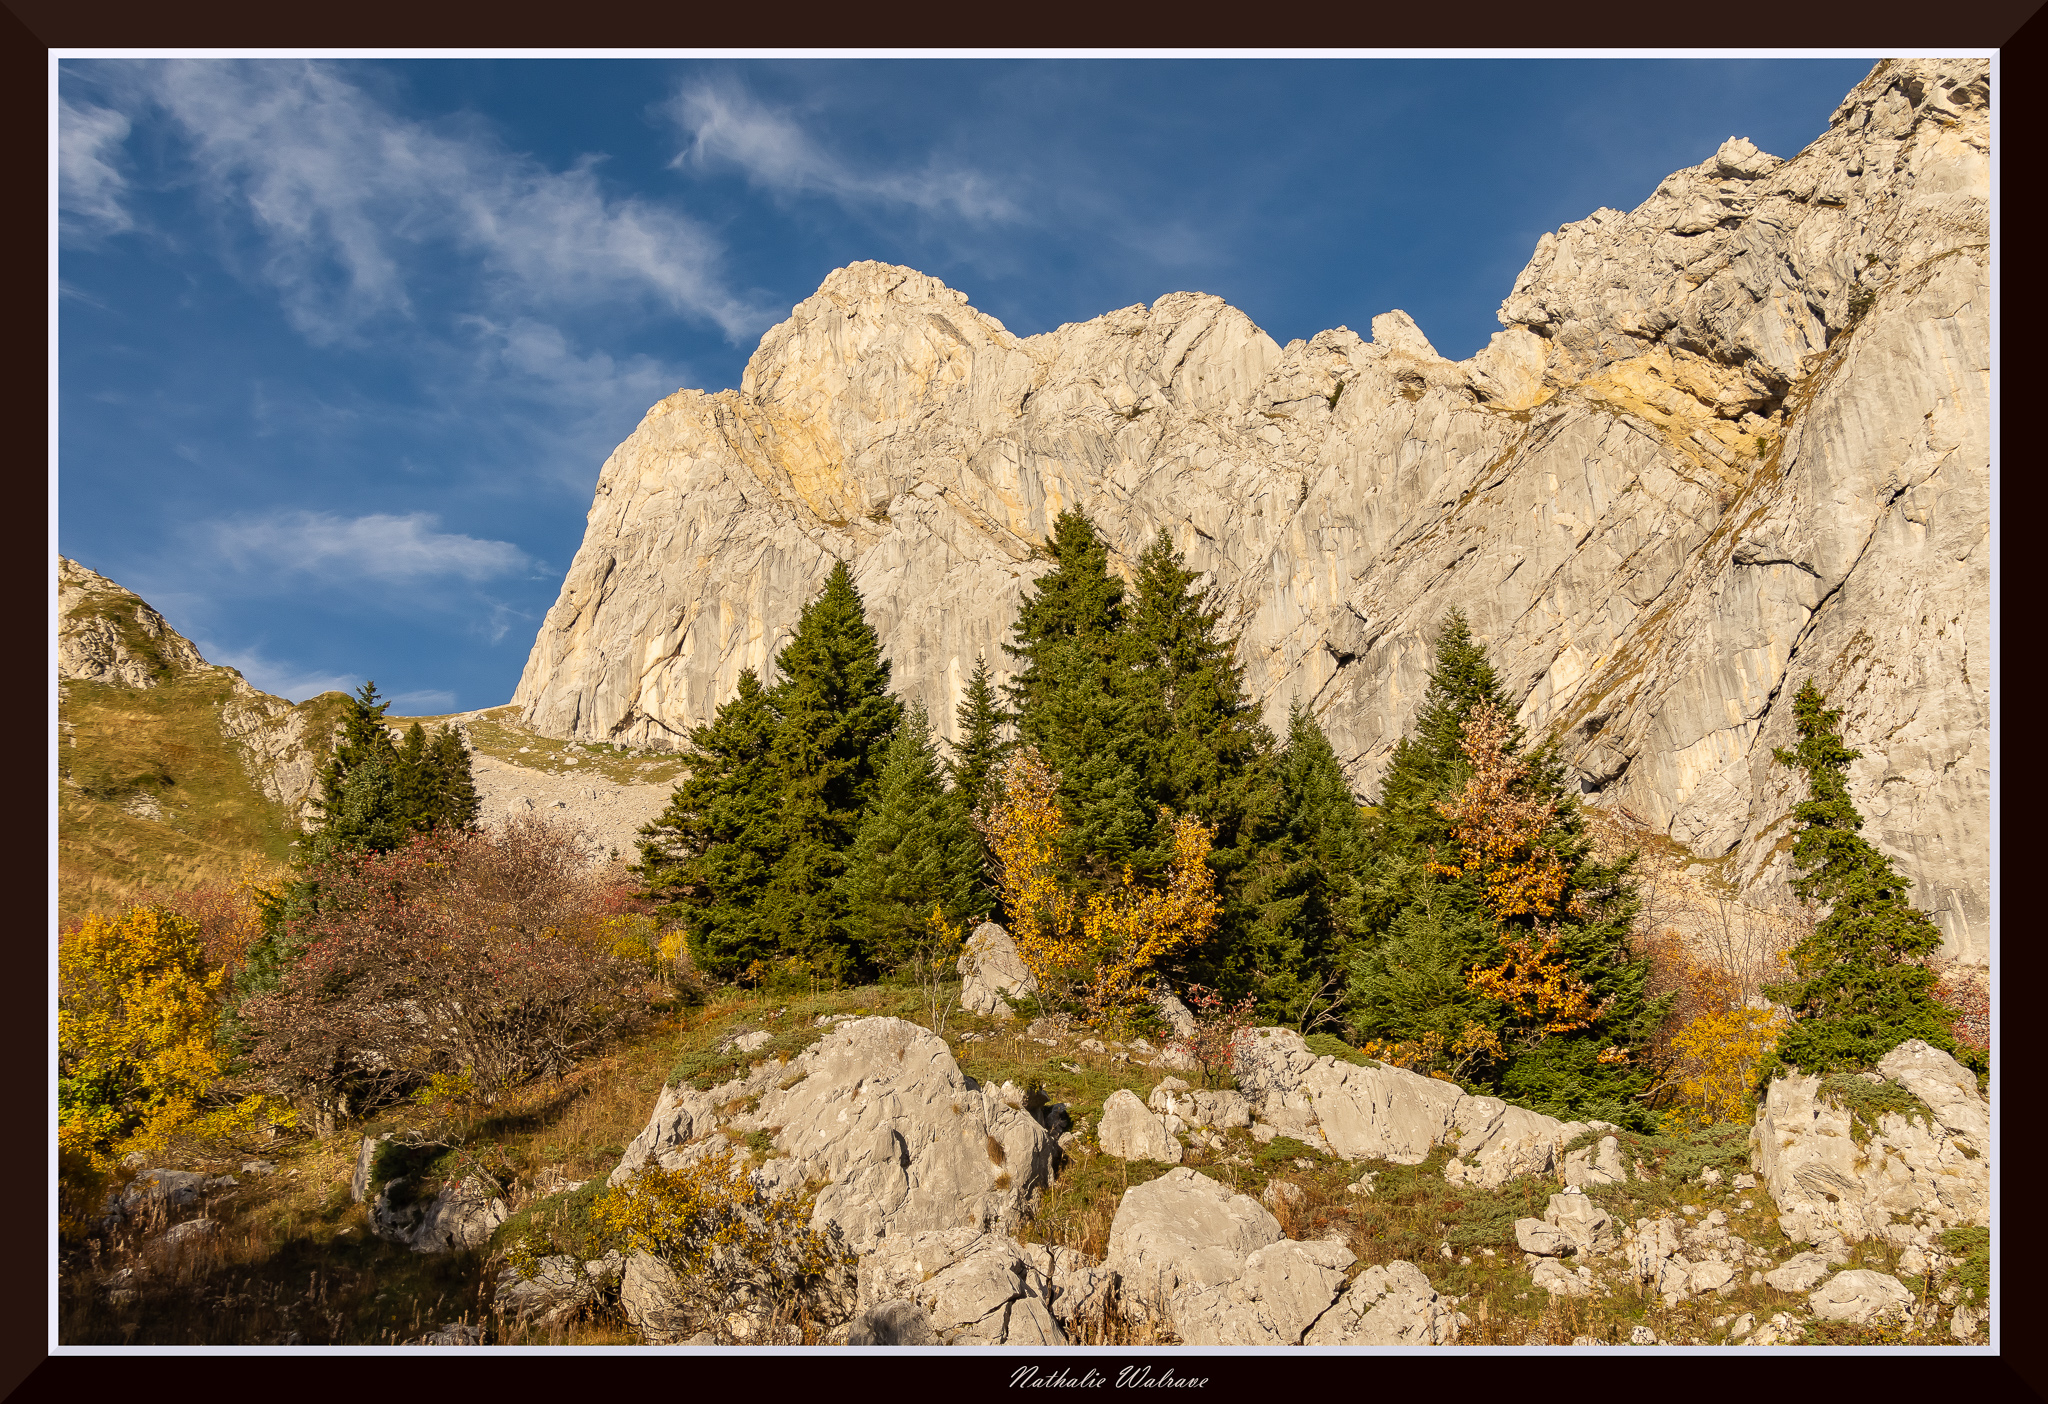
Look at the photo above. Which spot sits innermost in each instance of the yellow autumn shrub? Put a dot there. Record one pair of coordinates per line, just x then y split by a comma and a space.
1715, 1058
138, 1054
1100, 953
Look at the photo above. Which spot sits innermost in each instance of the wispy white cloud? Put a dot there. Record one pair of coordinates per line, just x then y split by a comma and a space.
89, 186
279, 678
347, 193
380, 547
500, 621
723, 123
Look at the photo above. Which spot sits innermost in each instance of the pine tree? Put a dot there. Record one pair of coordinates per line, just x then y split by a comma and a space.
1078, 603
916, 849
709, 856
359, 802
413, 773
368, 816
1072, 700
457, 804
981, 747
1427, 763
1860, 985
1302, 893
1209, 749
836, 720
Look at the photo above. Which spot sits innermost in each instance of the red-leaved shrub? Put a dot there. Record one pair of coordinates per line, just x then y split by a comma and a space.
486, 954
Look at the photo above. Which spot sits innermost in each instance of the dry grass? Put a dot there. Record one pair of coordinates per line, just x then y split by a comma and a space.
133, 749
498, 733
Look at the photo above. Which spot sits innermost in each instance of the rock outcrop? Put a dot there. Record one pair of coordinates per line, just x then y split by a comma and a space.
1182, 1230
1381, 1112
107, 634
1834, 1173
460, 1215
1729, 439
880, 1115
973, 1288
992, 973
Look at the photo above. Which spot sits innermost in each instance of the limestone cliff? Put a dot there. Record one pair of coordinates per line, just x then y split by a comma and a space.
1731, 438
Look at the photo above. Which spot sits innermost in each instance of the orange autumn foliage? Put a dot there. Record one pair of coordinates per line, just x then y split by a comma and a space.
1497, 827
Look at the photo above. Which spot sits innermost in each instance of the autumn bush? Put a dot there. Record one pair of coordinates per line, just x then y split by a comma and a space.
1221, 1029
1966, 993
1720, 1031
734, 1248
492, 954
1098, 955
139, 1058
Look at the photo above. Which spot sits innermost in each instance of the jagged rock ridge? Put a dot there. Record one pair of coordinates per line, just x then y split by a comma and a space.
107, 635
1731, 438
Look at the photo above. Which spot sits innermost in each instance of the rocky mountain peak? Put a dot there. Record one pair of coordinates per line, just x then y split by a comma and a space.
1729, 439
106, 634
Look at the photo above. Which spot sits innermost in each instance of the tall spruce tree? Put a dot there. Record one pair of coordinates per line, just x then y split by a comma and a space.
415, 775
979, 720
1860, 985
435, 786
916, 850
1427, 763
1209, 750
1302, 897
708, 857
1072, 699
456, 802
360, 805
836, 720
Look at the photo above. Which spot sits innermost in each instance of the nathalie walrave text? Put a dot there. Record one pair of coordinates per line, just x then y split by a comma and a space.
1130, 1377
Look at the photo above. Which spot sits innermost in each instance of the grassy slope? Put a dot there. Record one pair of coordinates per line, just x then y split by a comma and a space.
122, 746
497, 733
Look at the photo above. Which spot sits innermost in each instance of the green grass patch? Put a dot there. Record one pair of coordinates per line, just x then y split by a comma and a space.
1867, 1102
561, 1223
1973, 1273
1325, 1045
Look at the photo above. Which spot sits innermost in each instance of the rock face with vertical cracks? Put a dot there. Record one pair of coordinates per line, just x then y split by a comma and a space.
1730, 439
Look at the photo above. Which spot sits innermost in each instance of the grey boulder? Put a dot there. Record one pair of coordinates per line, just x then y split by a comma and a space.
1180, 1229
992, 973
1130, 1132
1390, 1305
1860, 1296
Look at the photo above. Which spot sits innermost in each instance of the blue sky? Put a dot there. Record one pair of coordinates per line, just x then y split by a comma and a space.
342, 344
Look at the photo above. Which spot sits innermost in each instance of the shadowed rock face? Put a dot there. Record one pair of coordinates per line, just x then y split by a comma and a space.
1732, 438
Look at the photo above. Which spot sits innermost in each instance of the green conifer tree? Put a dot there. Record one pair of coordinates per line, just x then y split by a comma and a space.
710, 854
1303, 896
1427, 932
1072, 699
1427, 763
456, 802
836, 720
982, 746
916, 849
413, 773
1209, 751
1860, 985
368, 813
